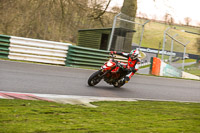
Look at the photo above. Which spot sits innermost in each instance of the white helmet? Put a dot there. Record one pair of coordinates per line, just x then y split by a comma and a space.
135, 54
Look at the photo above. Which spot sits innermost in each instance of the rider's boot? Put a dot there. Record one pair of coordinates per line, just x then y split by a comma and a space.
126, 79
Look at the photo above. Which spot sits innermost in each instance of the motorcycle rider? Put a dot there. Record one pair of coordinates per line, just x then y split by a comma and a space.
133, 59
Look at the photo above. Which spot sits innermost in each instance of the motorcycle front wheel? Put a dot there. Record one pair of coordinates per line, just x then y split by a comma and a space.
95, 78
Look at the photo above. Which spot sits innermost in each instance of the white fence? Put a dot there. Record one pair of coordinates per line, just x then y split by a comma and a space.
38, 50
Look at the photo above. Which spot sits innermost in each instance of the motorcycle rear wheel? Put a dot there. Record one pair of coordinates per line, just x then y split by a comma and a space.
95, 78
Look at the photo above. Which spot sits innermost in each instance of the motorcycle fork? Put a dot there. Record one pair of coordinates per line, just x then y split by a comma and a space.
107, 72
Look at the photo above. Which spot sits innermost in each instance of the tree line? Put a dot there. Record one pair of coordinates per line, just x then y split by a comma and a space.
57, 20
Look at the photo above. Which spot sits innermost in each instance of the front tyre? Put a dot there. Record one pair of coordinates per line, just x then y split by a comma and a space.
95, 78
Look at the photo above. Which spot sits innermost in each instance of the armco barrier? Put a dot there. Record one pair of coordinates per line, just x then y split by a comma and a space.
86, 57
19, 48
4, 46
90, 58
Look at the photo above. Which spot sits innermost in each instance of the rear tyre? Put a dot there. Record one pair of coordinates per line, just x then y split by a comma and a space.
95, 78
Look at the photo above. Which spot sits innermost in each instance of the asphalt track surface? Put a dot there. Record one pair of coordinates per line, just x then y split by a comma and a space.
51, 79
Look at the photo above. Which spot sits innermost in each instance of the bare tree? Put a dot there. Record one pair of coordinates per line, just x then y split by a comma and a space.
187, 20
169, 19
98, 10
166, 17
57, 20
143, 15
129, 8
116, 9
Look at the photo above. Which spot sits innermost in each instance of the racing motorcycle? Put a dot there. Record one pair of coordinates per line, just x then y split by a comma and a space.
112, 72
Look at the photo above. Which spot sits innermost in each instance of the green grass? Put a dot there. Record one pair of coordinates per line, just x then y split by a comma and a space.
21, 116
179, 61
153, 35
193, 69
186, 61
144, 66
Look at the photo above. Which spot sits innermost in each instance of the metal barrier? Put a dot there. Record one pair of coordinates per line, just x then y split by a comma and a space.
19, 48
90, 58
86, 57
4, 46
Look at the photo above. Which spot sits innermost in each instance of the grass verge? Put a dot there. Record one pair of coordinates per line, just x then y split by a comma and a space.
186, 61
193, 69
153, 35
23, 116
144, 66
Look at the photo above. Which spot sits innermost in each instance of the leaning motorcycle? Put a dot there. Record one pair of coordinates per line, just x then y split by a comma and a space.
112, 72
